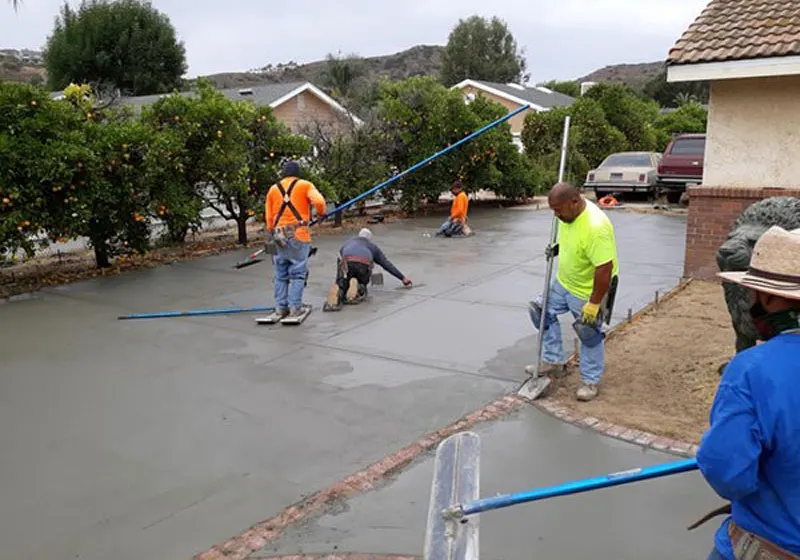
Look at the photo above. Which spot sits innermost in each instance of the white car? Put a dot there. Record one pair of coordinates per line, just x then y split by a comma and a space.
625, 172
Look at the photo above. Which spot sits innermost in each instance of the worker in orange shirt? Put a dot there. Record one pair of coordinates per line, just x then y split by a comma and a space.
288, 212
456, 225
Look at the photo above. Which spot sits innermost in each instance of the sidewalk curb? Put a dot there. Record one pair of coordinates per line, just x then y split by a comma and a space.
616, 431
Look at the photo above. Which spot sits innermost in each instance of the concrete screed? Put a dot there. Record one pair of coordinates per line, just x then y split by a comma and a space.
159, 438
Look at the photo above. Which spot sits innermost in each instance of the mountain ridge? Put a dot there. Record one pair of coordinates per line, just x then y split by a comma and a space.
415, 61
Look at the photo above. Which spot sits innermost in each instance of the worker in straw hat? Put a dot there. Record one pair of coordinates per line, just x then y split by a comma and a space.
750, 454
357, 257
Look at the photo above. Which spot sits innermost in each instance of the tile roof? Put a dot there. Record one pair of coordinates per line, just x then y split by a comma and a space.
738, 30
538, 96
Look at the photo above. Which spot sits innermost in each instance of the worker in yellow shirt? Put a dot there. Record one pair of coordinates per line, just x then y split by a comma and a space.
288, 212
456, 224
585, 285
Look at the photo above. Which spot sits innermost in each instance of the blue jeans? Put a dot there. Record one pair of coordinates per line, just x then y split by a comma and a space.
559, 302
291, 266
715, 555
450, 228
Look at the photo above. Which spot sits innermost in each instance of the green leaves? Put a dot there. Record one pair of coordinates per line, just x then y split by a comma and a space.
226, 155
609, 118
122, 44
111, 176
482, 49
689, 117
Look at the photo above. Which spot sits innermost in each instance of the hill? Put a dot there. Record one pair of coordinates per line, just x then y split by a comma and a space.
633, 75
14, 68
416, 61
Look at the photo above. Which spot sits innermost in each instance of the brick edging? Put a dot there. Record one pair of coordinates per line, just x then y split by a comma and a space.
617, 431
256, 537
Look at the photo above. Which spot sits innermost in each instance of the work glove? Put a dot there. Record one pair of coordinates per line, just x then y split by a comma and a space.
590, 313
551, 251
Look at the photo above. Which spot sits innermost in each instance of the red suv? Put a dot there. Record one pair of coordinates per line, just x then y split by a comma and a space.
681, 164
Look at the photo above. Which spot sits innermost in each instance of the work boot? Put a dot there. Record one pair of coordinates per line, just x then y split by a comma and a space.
278, 314
297, 312
333, 303
556, 370
352, 291
587, 391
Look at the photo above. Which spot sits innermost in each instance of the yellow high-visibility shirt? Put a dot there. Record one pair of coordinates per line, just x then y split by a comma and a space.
585, 244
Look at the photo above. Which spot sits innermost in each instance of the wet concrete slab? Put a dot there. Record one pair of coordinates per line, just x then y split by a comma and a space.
159, 438
529, 450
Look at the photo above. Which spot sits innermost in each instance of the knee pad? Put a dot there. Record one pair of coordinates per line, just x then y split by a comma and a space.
535, 312
588, 335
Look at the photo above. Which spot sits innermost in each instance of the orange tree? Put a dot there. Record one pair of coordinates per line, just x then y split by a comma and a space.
268, 143
424, 117
109, 198
223, 155
42, 155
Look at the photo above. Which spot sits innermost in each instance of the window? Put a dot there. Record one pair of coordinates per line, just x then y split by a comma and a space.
688, 147
301, 101
627, 160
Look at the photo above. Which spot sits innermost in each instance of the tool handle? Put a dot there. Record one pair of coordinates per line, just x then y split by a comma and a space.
576, 487
419, 164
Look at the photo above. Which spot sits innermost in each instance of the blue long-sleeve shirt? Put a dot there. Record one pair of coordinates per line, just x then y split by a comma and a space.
364, 248
751, 453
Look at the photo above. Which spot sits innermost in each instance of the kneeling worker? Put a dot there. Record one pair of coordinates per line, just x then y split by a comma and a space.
456, 225
357, 257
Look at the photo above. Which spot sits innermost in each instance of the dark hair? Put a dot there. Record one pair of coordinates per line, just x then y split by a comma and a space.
455, 185
291, 168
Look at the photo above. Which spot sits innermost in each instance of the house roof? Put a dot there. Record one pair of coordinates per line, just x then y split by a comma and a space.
729, 30
541, 98
261, 95
270, 94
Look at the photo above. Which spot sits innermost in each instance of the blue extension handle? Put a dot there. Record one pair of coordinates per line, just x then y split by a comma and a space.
194, 312
576, 487
425, 161
394, 178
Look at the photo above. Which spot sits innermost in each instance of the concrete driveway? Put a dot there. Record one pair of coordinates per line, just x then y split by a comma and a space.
159, 438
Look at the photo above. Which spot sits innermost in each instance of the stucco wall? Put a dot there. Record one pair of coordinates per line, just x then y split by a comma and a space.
516, 122
754, 133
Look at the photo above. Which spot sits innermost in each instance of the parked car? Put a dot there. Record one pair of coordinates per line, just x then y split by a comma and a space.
681, 164
625, 172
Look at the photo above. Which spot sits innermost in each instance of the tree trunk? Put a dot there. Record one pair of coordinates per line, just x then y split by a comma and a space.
337, 218
101, 255
241, 224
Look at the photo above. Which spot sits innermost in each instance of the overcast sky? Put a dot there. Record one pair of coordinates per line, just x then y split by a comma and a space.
563, 39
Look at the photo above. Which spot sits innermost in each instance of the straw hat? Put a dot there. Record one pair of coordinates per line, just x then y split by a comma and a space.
774, 266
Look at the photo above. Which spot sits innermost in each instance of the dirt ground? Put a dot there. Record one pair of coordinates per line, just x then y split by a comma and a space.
662, 369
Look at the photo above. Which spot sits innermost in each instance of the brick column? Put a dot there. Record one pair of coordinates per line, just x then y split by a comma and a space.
712, 211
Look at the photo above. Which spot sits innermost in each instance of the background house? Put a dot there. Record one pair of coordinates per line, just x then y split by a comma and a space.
296, 104
749, 51
514, 96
